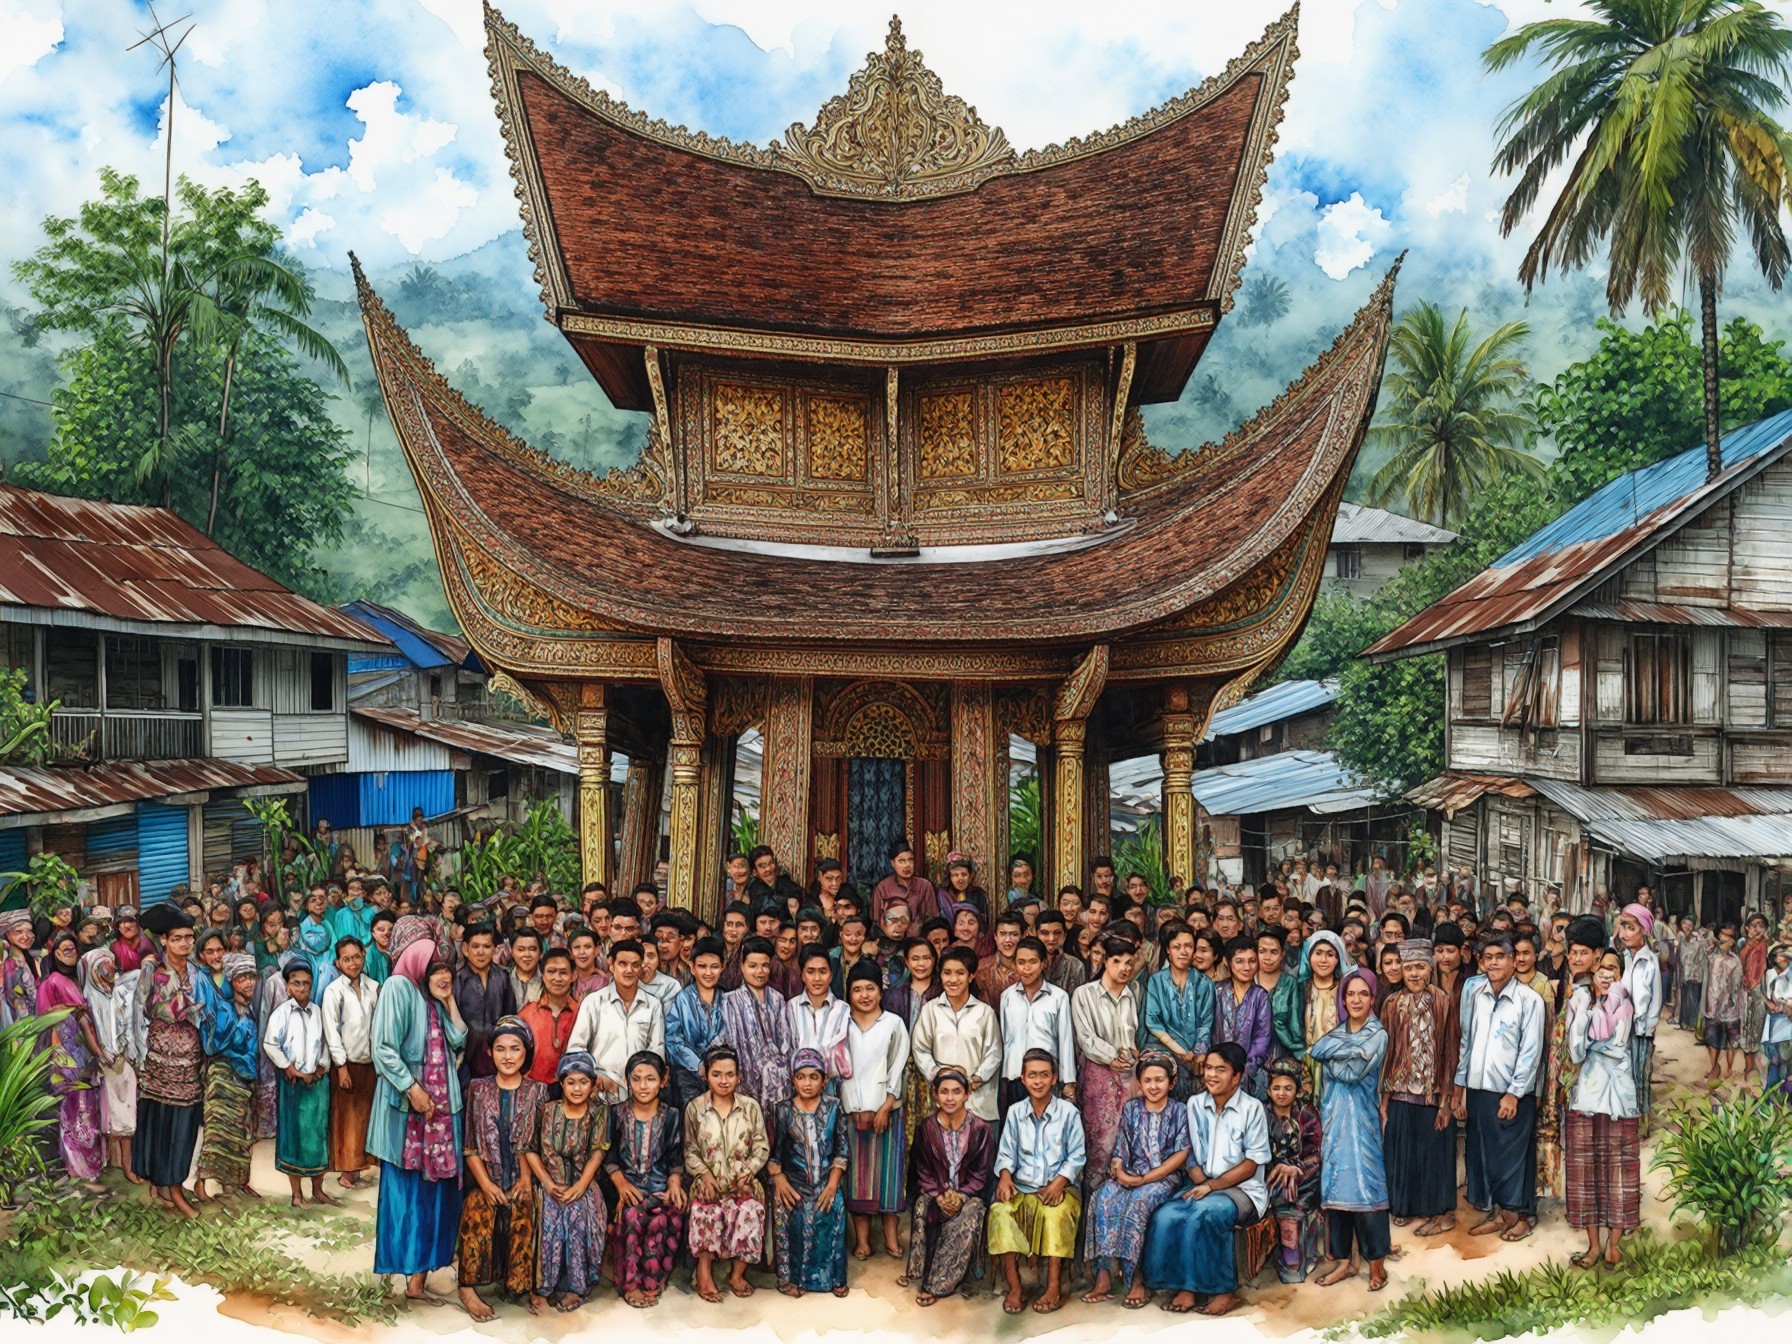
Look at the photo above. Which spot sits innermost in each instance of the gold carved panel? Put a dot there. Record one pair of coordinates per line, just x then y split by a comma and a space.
750, 437
1036, 425
948, 435
838, 439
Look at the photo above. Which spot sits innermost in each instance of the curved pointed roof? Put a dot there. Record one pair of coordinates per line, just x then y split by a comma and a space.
897, 228
530, 544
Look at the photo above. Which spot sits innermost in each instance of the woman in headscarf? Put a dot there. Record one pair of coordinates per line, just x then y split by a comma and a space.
807, 1164
74, 1060
1150, 1150
415, 1131
171, 1006
18, 977
951, 1161
1603, 1187
497, 1216
961, 892
1324, 962
109, 997
645, 1167
564, 1152
233, 1041
1353, 1180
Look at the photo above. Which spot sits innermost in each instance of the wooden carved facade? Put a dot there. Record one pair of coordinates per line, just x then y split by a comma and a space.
896, 504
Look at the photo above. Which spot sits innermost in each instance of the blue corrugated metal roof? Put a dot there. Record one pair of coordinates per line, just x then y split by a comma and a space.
1310, 779
410, 638
1279, 702
1620, 503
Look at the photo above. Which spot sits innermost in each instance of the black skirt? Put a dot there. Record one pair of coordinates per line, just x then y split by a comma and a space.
162, 1151
1421, 1162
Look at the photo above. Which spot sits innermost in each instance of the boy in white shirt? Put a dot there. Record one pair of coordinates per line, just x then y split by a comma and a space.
294, 1044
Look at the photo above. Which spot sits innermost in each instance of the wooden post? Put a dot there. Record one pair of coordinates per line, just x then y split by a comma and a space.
974, 766
1071, 708
714, 799
591, 730
641, 819
687, 696
1179, 770
784, 784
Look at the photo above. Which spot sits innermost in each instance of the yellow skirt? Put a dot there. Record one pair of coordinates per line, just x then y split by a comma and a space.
1026, 1225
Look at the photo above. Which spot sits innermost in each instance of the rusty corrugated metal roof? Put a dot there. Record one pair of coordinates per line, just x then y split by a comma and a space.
1571, 556
33, 791
1660, 802
136, 563
523, 746
1674, 613
1454, 790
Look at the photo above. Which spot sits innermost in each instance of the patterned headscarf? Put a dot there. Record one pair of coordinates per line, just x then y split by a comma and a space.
1160, 1059
576, 1061
807, 1058
1642, 914
951, 1072
415, 941
237, 963
512, 1025
1416, 949
1288, 1068
93, 963
14, 919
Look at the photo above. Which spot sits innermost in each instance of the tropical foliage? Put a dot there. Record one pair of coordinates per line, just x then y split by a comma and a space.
1143, 853
1725, 1159
1452, 411
47, 883
187, 388
1660, 111
31, 1290
543, 845
27, 1107
1638, 398
1655, 1277
1025, 818
24, 726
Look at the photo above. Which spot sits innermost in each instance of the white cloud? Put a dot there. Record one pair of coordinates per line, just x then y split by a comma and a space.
26, 37
307, 226
1349, 233
428, 215
1452, 200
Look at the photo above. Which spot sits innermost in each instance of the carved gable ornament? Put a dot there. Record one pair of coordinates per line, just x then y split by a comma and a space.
895, 134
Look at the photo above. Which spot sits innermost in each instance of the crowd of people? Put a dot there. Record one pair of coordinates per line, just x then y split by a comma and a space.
1099, 1088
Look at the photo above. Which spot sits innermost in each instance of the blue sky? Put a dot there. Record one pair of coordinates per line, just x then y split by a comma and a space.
370, 121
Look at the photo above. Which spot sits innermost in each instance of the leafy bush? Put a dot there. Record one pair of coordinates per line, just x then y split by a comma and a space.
27, 1107
234, 1250
1025, 813
1144, 854
542, 845
1655, 1277
1724, 1157
49, 882
40, 1294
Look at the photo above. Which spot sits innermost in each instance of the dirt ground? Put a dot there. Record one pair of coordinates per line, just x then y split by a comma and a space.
877, 1304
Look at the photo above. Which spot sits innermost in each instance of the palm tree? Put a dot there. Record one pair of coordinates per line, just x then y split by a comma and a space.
1451, 410
253, 297
1264, 303
1660, 110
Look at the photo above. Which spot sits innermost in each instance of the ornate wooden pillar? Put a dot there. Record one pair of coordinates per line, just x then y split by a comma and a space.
1179, 731
641, 819
975, 761
687, 696
1098, 811
784, 783
591, 730
713, 822
1070, 728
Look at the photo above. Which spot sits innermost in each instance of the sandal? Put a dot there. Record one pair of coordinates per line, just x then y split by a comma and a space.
1518, 1231
1136, 1303
1585, 1260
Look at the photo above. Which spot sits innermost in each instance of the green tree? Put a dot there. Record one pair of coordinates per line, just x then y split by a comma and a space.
1638, 398
1660, 110
1264, 302
1452, 411
233, 414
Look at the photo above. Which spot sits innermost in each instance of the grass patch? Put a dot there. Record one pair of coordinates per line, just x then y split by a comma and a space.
1656, 1277
233, 1249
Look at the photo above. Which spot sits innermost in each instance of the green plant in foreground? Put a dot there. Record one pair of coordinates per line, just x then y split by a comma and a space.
27, 1107
122, 1302
1723, 1155
234, 1250
1655, 1277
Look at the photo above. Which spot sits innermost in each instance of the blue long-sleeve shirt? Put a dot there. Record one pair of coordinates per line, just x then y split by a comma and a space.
1184, 1015
1037, 1149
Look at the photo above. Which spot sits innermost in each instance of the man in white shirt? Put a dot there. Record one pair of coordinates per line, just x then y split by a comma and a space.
618, 1020
526, 949
1035, 1015
962, 1031
1496, 1092
348, 1035
294, 1044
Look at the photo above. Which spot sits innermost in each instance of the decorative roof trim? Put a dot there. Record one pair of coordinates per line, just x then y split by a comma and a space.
960, 154
1144, 467
636, 489
738, 341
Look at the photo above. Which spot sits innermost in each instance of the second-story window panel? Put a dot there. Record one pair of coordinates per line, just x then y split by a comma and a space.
1347, 562
1658, 679
134, 673
1477, 683
233, 677
1779, 680
323, 683
71, 668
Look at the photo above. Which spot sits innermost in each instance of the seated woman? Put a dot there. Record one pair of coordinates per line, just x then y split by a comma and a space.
497, 1212
1188, 1247
807, 1164
1037, 1205
1149, 1154
725, 1145
645, 1166
950, 1164
1294, 1142
1353, 1179
564, 1154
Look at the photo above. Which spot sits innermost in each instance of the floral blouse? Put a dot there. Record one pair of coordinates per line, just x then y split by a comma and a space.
725, 1147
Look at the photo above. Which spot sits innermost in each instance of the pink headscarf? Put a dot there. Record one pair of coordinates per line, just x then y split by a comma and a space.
1641, 913
414, 942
